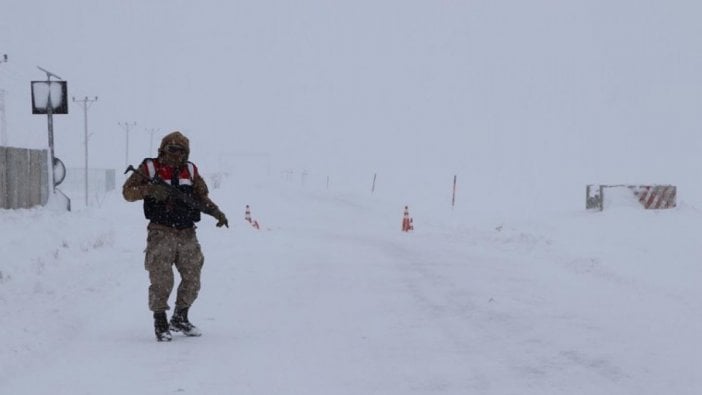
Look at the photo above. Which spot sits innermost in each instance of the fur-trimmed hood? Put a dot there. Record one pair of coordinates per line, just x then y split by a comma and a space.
174, 138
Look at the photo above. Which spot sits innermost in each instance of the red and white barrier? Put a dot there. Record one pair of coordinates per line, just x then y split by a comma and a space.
652, 197
656, 196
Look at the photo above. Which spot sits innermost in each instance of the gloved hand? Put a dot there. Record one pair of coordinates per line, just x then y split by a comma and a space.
157, 192
221, 219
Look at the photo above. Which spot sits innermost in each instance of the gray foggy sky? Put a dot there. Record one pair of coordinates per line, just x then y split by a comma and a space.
528, 94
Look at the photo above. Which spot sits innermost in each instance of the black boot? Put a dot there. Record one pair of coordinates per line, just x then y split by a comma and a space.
180, 323
161, 327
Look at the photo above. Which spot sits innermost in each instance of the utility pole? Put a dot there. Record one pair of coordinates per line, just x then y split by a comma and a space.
151, 139
86, 102
126, 126
453, 198
3, 121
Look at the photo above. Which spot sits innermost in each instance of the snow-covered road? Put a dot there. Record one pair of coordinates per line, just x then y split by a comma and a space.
331, 298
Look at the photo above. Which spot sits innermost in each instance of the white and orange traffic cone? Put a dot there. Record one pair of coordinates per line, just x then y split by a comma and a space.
247, 214
247, 218
407, 222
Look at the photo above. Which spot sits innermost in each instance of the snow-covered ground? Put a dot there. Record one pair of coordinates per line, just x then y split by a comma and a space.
329, 297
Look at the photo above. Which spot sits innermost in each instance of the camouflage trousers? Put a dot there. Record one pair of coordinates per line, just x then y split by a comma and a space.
166, 247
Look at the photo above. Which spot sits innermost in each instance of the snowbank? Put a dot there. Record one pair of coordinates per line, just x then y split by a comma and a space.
330, 297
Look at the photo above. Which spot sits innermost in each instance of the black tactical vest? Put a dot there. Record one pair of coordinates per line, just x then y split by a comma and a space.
171, 212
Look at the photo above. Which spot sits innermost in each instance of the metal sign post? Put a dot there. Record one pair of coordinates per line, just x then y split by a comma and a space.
43, 102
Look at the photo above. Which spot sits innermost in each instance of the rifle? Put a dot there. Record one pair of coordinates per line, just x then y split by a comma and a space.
173, 191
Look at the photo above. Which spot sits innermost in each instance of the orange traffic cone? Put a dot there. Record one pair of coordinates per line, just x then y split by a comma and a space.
407, 223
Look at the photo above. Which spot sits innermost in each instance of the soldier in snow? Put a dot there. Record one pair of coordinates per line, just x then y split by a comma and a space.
174, 194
